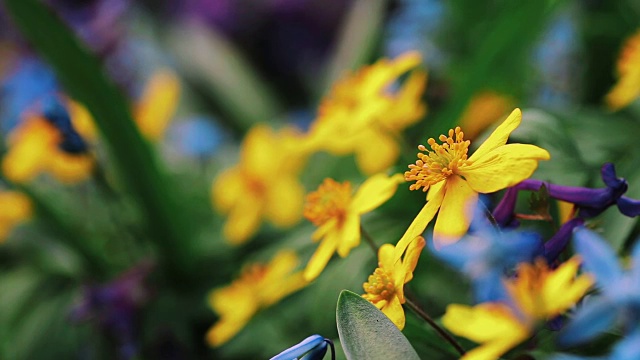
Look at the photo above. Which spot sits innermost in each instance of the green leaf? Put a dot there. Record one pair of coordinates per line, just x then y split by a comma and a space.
367, 333
84, 79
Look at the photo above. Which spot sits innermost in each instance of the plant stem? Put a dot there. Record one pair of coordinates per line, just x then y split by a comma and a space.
369, 240
442, 332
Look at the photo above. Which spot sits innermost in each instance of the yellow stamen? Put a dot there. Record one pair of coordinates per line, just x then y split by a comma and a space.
440, 162
330, 201
379, 286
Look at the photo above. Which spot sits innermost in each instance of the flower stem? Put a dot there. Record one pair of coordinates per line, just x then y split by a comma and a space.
369, 240
442, 332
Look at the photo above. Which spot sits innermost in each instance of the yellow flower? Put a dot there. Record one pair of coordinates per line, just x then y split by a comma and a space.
385, 288
337, 215
152, 112
537, 294
15, 208
263, 184
627, 88
454, 181
34, 148
259, 286
484, 109
361, 110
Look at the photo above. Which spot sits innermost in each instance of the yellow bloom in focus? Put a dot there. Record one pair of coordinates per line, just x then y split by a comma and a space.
537, 293
264, 184
34, 148
385, 288
337, 214
362, 109
627, 88
259, 286
484, 109
454, 180
15, 208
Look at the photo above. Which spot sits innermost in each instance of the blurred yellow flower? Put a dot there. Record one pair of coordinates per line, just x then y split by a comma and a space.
364, 109
15, 208
264, 184
454, 181
259, 286
385, 288
627, 88
337, 214
537, 294
484, 109
152, 112
34, 148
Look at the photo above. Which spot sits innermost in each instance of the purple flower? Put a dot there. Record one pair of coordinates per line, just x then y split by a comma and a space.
114, 307
590, 202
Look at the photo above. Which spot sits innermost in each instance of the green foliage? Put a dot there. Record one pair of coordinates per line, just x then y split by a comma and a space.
366, 333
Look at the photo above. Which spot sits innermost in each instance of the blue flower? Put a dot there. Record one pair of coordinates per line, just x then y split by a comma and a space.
312, 348
626, 349
486, 255
620, 290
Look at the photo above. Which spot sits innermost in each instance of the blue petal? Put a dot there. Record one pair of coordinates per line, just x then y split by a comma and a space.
489, 288
595, 317
317, 353
628, 348
301, 348
598, 257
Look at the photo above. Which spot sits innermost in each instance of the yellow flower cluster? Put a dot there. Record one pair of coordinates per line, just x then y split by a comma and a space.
627, 88
34, 145
537, 294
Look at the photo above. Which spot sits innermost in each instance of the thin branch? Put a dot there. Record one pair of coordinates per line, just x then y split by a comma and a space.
442, 332
369, 240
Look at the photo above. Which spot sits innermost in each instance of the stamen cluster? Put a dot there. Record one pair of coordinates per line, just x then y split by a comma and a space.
379, 286
330, 201
440, 162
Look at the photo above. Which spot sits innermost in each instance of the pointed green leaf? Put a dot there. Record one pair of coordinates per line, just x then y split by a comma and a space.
366, 333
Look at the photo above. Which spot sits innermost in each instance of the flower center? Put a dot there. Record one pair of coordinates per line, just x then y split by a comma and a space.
379, 286
330, 201
439, 162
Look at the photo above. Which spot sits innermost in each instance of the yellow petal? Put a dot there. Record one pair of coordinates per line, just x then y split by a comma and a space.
227, 189
434, 189
499, 136
410, 259
377, 152
321, 257
503, 167
285, 199
158, 103
421, 221
70, 168
349, 234
562, 289
243, 221
386, 257
625, 90
492, 325
374, 192
82, 120
394, 311
456, 212
225, 329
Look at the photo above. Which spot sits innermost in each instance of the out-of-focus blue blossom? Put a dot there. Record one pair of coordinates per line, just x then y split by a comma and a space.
626, 349
590, 202
114, 306
556, 64
412, 28
196, 136
620, 290
312, 348
31, 82
486, 255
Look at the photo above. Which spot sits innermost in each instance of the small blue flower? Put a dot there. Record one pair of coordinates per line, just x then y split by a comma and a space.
620, 290
312, 348
486, 255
